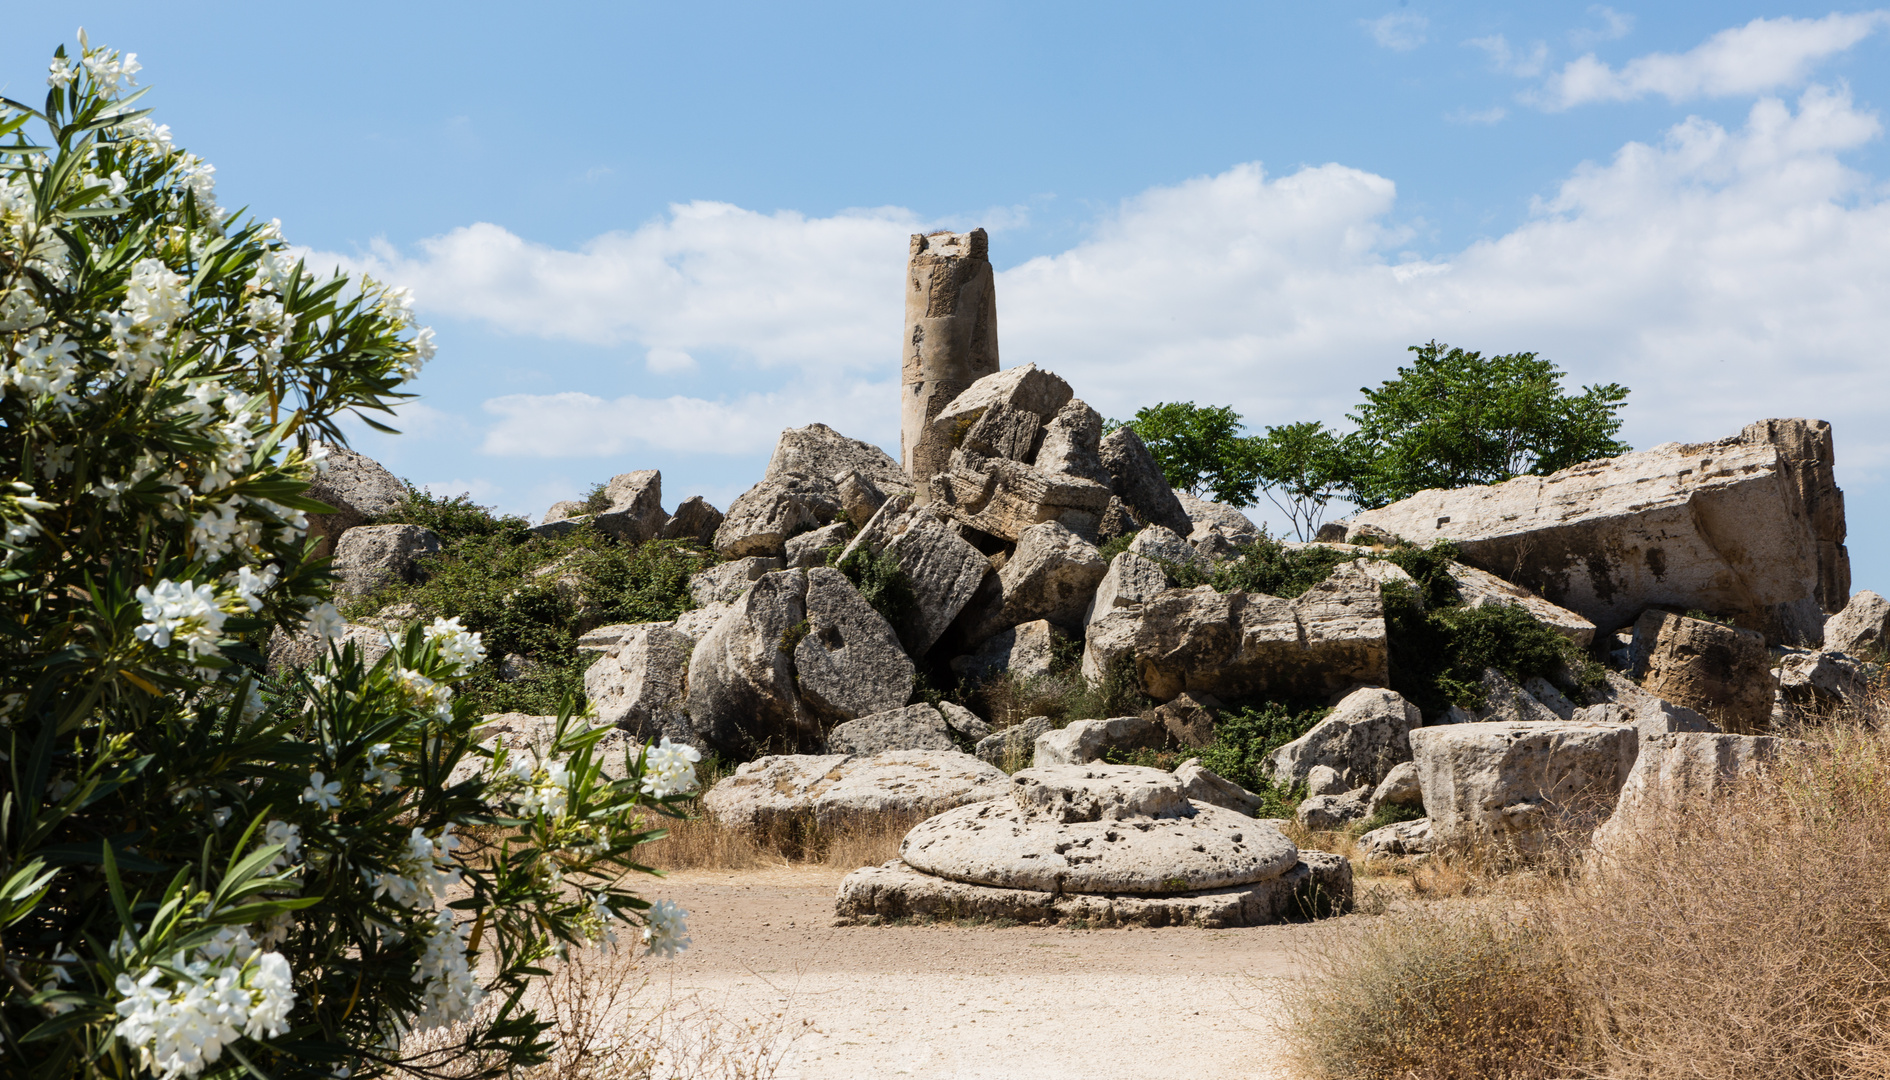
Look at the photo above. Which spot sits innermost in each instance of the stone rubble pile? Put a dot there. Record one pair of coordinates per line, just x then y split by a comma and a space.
1711, 580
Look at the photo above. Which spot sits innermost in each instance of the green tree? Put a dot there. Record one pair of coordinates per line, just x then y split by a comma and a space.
1200, 449
1301, 468
1455, 418
204, 869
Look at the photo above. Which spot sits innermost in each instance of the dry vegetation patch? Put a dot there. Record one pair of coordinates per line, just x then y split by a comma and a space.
1746, 938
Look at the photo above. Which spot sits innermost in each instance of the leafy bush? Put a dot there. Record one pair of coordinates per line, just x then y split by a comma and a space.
454, 518
1245, 738
202, 870
533, 597
882, 583
1117, 546
1438, 654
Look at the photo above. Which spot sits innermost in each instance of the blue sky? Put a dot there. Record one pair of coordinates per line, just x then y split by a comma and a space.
652, 236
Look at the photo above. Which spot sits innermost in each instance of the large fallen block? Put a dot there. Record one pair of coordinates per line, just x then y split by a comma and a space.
1521, 788
840, 789
1719, 526
1235, 645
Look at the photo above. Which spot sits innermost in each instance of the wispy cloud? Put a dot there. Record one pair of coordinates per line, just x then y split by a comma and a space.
1399, 31
1490, 115
1511, 61
1613, 27
1762, 56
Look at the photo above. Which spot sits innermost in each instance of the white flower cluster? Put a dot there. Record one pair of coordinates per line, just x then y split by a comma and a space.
16, 513
290, 837
547, 786
378, 772
325, 622
180, 1022
450, 992
666, 932
427, 871
177, 610
111, 73
458, 646
425, 694
43, 366
670, 768
155, 299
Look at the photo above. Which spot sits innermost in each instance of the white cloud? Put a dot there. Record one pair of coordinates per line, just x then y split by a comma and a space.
1401, 32
1510, 61
1761, 56
669, 361
1723, 275
780, 289
1614, 26
575, 424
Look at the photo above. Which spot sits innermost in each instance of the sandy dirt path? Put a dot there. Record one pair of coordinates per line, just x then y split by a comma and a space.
954, 1002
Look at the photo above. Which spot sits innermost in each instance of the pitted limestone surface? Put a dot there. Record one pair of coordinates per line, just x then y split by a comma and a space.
1071, 793
1002, 844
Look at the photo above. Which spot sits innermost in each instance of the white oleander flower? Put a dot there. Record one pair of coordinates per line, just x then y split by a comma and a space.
458, 646
179, 1024
425, 693
287, 835
60, 73
250, 585
325, 796
110, 72
667, 930
325, 622
382, 776
606, 919
450, 991
176, 610
670, 768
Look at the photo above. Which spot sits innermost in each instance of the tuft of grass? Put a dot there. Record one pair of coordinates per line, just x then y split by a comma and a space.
1469, 996
1117, 545
1063, 695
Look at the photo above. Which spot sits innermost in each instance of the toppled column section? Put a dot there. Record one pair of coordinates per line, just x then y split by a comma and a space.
950, 342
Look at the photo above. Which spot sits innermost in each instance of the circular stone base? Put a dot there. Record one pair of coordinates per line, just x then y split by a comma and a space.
1001, 844
1098, 792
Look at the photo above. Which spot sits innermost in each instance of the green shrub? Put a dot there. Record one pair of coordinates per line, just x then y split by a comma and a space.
454, 518
1438, 655
1117, 546
883, 584
1245, 738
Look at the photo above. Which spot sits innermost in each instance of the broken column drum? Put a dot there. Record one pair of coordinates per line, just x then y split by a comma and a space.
950, 341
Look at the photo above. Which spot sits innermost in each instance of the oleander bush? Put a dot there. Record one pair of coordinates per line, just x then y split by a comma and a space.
204, 871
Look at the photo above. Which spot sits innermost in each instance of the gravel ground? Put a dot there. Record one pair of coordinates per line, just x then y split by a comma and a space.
976, 1002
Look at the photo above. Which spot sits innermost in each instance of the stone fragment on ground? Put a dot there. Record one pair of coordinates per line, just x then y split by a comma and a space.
1139, 482
1505, 702
1130, 579
915, 727
1360, 740
695, 519
637, 684
841, 789
1052, 576
810, 548
635, 514
1082, 741
1864, 624
1821, 680
848, 662
1686, 771
357, 487
1202, 784
1158, 545
1400, 787
762, 519
1013, 747
1211, 518
1521, 788
1189, 719
1025, 651
1330, 813
1720, 526
1401, 838
726, 582
1236, 645
742, 691
370, 556
1717, 671
942, 568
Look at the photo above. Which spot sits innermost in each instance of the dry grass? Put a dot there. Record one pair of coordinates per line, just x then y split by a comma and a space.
610, 1022
1747, 938
702, 843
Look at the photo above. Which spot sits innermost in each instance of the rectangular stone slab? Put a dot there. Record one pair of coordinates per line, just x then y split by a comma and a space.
1320, 884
